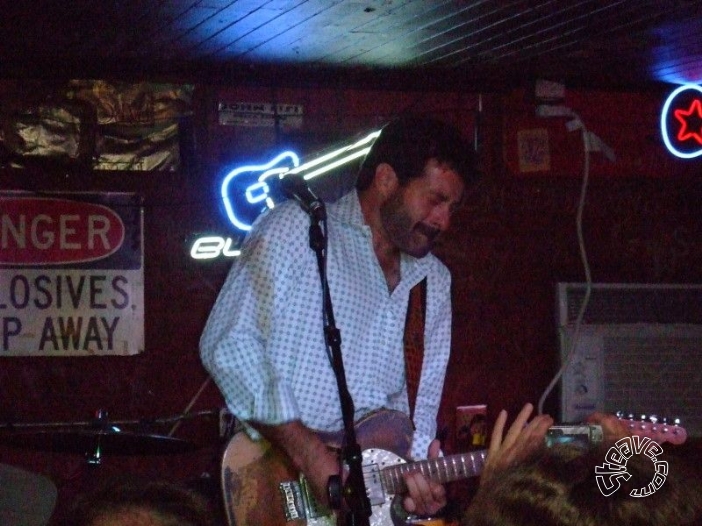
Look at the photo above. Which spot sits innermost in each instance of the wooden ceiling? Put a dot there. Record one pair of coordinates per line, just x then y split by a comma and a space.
477, 44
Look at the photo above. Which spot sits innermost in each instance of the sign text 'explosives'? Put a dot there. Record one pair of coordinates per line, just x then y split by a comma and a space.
71, 275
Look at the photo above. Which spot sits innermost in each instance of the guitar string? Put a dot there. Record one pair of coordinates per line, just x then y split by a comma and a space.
394, 472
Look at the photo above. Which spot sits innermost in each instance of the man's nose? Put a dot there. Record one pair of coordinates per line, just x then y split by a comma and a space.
442, 218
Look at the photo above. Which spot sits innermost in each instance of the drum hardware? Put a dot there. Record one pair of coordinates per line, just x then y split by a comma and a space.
91, 423
100, 436
228, 424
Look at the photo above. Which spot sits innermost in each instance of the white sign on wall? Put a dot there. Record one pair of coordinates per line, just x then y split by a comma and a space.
71, 274
260, 114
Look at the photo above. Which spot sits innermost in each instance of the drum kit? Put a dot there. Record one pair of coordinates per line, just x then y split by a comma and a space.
28, 498
101, 436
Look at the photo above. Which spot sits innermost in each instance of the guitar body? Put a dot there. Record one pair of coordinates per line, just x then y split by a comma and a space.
253, 472
262, 488
250, 475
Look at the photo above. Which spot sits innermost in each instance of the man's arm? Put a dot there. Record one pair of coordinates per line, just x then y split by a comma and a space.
425, 497
318, 463
307, 453
235, 345
437, 341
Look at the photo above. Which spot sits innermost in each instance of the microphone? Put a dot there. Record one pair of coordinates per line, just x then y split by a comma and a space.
296, 188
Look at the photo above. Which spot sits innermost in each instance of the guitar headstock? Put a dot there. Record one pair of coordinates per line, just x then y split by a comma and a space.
657, 429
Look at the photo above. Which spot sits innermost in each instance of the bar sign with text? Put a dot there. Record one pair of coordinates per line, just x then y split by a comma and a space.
71, 274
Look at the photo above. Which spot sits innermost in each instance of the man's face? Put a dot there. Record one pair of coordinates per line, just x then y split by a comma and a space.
414, 215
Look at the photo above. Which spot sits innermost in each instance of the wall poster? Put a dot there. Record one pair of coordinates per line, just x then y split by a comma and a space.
71, 274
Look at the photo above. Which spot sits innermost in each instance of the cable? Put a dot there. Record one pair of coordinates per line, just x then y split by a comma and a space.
191, 404
576, 123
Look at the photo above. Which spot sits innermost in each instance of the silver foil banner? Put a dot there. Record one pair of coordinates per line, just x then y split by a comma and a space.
97, 124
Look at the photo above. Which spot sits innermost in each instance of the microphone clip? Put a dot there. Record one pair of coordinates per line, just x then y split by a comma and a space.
296, 187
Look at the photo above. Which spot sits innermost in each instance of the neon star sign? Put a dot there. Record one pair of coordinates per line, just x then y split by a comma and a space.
688, 131
681, 122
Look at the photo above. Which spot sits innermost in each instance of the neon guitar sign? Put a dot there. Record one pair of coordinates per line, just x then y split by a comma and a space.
242, 209
681, 122
248, 191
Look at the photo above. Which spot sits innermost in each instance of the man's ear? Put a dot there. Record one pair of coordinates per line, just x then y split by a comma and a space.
385, 179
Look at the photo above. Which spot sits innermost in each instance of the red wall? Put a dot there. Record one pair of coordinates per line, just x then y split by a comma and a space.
510, 244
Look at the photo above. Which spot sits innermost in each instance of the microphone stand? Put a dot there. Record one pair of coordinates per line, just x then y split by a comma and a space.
354, 491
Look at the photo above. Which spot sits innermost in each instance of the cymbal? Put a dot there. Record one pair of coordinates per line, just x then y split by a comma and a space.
96, 442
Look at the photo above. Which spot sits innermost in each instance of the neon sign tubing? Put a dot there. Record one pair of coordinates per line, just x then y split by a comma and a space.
210, 247
335, 164
664, 118
262, 187
249, 193
315, 162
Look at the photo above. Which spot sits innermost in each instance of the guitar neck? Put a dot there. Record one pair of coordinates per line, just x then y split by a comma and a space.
442, 469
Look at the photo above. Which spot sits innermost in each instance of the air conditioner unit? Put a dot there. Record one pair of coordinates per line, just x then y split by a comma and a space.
638, 350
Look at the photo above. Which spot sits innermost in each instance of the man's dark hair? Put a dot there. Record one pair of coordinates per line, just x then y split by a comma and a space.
165, 503
408, 142
558, 487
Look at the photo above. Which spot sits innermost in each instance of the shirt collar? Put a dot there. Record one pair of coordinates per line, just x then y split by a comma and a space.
347, 210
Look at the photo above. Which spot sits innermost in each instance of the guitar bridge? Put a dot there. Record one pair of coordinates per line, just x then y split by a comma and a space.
293, 500
299, 502
313, 509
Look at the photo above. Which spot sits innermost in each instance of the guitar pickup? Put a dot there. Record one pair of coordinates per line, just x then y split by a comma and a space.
374, 484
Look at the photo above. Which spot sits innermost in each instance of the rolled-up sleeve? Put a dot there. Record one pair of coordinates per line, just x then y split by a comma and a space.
234, 344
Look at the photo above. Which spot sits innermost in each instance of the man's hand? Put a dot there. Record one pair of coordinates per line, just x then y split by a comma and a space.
307, 452
425, 497
522, 440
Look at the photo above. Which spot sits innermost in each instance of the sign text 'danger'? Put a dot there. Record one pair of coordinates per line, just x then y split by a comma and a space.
56, 231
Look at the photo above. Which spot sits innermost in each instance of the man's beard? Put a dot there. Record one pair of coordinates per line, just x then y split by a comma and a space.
415, 239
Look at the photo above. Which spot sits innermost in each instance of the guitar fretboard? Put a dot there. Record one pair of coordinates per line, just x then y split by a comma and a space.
442, 469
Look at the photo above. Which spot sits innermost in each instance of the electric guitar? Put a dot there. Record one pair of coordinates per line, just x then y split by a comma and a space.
653, 427
262, 487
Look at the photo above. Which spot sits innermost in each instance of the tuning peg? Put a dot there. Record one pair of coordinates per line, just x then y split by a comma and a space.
655, 427
676, 426
664, 425
654, 423
622, 415
627, 417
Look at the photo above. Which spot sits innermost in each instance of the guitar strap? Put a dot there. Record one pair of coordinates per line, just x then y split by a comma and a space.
414, 340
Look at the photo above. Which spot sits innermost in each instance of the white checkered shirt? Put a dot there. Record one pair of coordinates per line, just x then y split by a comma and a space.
264, 343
